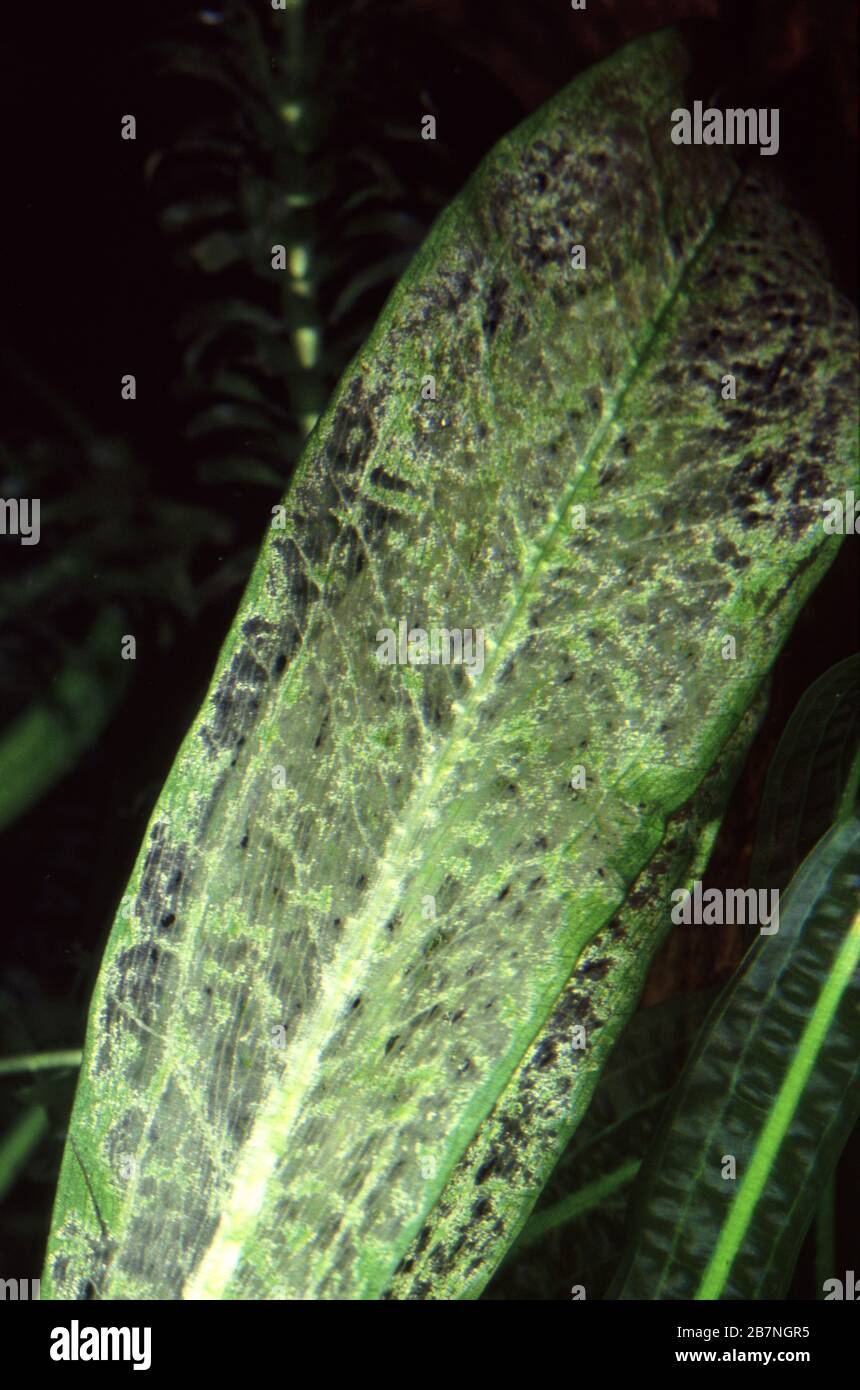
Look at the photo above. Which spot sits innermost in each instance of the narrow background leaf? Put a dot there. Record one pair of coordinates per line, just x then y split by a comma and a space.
774, 1081
816, 762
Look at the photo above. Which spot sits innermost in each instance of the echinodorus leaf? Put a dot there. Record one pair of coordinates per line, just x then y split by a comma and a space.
368, 881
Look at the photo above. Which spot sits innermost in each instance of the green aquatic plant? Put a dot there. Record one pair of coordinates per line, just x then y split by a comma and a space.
300, 225
390, 919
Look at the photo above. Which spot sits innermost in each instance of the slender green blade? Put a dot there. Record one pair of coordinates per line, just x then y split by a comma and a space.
43, 743
39, 1061
18, 1144
366, 884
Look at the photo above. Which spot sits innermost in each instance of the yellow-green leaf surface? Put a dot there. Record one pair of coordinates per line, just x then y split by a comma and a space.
365, 886
490, 1192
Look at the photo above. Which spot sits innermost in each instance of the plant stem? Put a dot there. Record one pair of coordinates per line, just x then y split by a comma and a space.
299, 296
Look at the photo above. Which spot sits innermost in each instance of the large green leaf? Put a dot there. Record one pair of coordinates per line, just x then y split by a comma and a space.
365, 887
773, 1082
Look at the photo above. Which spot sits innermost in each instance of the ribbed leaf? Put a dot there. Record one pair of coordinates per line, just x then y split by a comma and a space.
814, 772
774, 1082
366, 886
